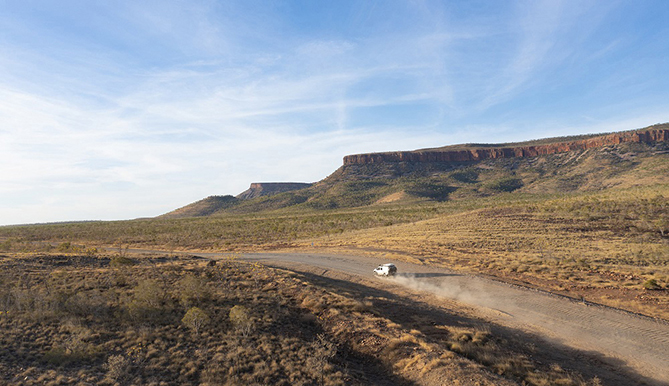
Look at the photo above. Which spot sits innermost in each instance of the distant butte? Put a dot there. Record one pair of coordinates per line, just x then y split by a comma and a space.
657, 133
259, 189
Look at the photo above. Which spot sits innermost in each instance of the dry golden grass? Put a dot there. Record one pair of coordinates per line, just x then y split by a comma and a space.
70, 319
604, 246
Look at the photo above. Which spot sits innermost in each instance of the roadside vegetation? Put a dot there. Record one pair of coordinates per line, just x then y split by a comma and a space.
121, 320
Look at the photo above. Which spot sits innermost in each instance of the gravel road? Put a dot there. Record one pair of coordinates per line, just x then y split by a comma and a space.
641, 343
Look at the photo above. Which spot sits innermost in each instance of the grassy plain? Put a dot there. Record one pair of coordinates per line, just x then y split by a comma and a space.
231, 232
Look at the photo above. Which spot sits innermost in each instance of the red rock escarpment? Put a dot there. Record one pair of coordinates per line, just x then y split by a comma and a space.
646, 136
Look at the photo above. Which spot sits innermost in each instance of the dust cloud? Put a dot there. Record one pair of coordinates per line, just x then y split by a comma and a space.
639, 342
455, 287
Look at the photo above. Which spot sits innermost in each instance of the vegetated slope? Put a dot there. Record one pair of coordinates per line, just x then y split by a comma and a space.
356, 185
600, 162
581, 163
213, 204
204, 207
260, 189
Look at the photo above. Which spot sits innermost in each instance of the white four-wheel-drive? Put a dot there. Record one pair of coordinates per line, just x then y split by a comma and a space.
386, 270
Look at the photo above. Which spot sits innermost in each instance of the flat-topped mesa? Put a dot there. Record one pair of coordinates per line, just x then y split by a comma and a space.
647, 136
259, 189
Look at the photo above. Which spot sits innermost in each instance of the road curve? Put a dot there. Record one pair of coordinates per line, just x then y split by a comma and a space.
642, 343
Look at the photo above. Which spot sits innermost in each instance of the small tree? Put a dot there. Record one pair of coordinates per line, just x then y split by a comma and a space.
146, 302
195, 319
192, 290
241, 319
149, 293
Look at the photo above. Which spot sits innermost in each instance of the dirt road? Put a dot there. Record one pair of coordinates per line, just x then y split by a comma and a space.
622, 339
641, 343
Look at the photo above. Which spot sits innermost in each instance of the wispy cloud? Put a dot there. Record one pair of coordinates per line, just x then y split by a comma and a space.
147, 106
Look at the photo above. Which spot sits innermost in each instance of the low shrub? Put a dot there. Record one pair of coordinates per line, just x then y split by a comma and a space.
192, 290
146, 303
118, 368
241, 319
195, 319
508, 184
121, 261
466, 175
651, 284
73, 350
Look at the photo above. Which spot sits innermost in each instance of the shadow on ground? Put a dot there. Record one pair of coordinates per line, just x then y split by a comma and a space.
414, 314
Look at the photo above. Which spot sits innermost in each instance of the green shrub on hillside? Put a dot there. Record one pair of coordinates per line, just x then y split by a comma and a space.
508, 184
192, 290
146, 303
433, 190
121, 261
465, 175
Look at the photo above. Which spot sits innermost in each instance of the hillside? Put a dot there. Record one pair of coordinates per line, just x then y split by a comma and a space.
214, 204
204, 207
553, 165
261, 189
624, 164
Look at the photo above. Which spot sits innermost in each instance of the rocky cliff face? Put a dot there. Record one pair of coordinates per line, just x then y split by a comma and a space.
652, 134
259, 189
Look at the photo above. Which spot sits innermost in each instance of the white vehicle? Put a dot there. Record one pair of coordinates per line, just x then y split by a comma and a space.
386, 270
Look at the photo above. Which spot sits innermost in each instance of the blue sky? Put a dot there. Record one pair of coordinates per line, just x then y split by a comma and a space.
125, 109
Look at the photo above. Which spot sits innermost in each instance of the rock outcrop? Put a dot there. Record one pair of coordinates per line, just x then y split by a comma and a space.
259, 189
657, 133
